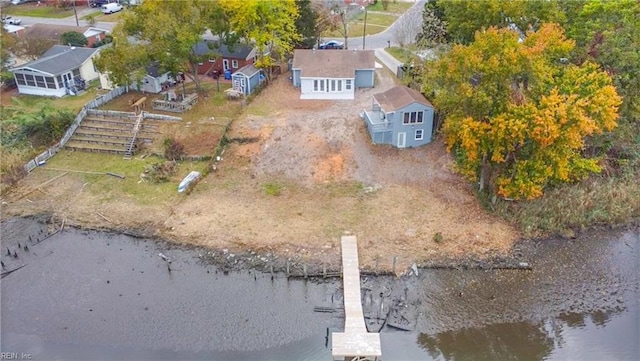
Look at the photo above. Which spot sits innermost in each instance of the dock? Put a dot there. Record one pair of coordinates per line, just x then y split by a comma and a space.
355, 343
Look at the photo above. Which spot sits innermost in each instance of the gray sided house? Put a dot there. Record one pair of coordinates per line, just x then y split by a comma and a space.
401, 117
332, 74
247, 79
61, 70
153, 81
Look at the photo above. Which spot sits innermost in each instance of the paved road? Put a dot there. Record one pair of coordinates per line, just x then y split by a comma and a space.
69, 21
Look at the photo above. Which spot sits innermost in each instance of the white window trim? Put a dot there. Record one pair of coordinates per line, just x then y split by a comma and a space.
234, 64
212, 60
416, 122
421, 131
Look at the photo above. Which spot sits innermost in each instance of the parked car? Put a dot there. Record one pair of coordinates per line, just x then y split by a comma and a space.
332, 44
98, 3
111, 8
11, 20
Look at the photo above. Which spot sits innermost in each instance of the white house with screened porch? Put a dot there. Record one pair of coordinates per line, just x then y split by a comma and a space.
61, 70
332, 74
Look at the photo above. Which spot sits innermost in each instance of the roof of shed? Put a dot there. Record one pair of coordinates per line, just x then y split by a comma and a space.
247, 70
399, 97
332, 63
60, 59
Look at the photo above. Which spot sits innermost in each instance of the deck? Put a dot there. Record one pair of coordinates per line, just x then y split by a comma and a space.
355, 343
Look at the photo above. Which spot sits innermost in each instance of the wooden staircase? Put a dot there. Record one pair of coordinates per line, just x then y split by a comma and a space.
112, 135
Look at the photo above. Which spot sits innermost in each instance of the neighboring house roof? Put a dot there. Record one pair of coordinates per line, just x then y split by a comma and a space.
60, 59
399, 97
53, 32
239, 51
153, 70
248, 70
332, 63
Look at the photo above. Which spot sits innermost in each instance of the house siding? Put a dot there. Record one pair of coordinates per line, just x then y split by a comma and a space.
365, 78
91, 40
208, 67
88, 72
296, 77
307, 90
410, 129
388, 133
32, 90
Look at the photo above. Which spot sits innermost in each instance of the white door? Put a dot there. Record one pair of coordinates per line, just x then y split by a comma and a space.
402, 138
225, 64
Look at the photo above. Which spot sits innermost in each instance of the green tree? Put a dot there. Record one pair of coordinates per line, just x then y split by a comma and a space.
73, 38
123, 62
168, 31
269, 25
434, 28
306, 24
464, 18
517, 114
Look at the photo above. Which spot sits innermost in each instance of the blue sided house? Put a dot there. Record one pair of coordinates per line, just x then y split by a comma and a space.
401, 117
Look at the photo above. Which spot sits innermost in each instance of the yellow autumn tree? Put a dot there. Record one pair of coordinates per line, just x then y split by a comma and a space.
517, 113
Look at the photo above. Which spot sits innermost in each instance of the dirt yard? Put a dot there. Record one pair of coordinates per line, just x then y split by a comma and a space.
330, 180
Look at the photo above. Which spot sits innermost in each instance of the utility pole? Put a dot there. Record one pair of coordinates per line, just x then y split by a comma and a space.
364, 31
75, 13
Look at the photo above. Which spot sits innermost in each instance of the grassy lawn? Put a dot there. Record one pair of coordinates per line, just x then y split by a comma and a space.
96, 14
109, 18
36, 11
377, 19
405, 55
29, 103
108, 187
396, 7
376, 23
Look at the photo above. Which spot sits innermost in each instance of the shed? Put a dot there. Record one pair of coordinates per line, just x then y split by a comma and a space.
400, 116
247, 79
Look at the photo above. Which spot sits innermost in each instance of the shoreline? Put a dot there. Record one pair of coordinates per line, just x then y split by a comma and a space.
243, 258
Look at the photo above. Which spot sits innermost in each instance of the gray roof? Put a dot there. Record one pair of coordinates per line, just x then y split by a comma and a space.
399, 97
239, 51
332, 63
60, 59
247, 70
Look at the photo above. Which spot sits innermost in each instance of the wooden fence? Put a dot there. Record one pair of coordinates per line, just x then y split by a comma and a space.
90, 106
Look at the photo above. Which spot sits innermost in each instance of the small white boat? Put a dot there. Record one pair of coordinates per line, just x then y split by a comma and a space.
188, 181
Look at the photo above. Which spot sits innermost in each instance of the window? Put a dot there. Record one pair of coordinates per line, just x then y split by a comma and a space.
413, 118
315, 85
51, 84
321, 85
333, 85
30, 80
212, 60
340, 85
419, 134
348, 85
76, 72
200, 64
60, 83
234, 64
20, 79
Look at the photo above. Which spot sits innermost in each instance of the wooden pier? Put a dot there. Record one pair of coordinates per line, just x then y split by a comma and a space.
355, 343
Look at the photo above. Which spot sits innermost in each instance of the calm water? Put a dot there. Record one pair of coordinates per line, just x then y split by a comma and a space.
90, 295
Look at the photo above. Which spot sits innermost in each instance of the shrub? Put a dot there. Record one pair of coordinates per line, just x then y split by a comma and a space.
160, 172
173, 149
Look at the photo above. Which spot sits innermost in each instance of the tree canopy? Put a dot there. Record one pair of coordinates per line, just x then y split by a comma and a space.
73, 38
464, 18
517, 112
